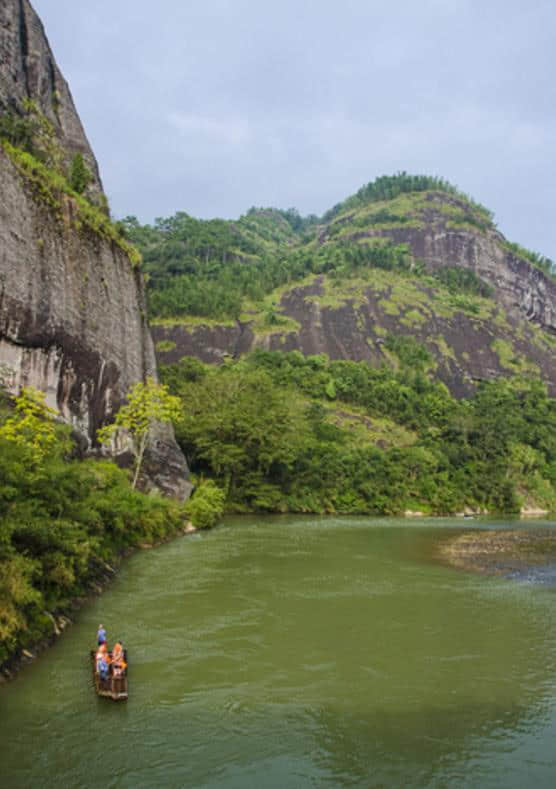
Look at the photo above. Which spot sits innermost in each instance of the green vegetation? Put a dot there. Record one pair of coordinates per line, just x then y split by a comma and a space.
206, 506
218, 270
207, 268
511, 360
163, 346
410, 353
63, 522
221, 270
31, 426
388, 187
34, 133
147, 404
540, 261
298, 223
462, 280
50, 186
30, 142
276, 432
80, 176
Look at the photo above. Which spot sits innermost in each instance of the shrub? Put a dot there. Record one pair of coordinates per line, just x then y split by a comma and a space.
206, 505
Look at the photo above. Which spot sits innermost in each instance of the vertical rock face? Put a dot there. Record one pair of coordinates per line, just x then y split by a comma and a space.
519, 286
28, 71
72, 306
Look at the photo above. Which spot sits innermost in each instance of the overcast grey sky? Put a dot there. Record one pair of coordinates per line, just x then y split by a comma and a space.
211, 106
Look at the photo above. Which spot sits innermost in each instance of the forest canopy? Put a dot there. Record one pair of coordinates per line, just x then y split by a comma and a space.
283, 432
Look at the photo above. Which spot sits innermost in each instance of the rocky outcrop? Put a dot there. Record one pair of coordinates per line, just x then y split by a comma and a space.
465, 347
28, 70
519, 286
72, 306
512, 333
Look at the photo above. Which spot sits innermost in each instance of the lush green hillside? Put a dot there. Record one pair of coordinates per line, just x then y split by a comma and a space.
407, 255
216, 268
369, 314
283, 432
209, 267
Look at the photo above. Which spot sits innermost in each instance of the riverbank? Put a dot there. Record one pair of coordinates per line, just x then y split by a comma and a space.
504, 552
60, 619
64, 617
487, 552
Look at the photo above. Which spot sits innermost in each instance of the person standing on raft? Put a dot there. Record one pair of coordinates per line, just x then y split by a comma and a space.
101, 635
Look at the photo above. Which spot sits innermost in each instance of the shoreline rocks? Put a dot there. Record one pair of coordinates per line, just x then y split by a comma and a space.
500, 552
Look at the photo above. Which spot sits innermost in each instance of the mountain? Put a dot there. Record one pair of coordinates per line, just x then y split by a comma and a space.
72, 299
395, 355
407, 256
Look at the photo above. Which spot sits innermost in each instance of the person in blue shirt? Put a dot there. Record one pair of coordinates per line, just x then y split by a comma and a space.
101, 635
103, 660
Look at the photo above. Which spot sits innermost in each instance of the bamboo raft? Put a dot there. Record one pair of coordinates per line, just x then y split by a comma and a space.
114, 688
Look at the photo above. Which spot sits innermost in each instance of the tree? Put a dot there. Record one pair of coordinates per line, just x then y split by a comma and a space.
32, 425
80, 175
147, 404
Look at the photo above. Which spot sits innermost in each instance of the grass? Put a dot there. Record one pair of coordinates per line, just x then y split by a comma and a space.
410, 210
365, 430
445, 350
337, 292
191, 322
511, 360
51, 188
262, 326
164, 346
413, 318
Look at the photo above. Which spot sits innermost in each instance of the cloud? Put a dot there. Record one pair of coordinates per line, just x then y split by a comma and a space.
227, 131
211, 106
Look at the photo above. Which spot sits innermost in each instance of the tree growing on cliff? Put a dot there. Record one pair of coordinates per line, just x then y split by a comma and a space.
32, 426
147, 404
80, 176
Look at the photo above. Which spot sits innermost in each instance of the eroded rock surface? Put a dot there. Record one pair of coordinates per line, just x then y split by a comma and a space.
28, 70
72, 306
512, 332
465, 347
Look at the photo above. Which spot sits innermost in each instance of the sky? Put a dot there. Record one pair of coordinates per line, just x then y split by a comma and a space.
212, 106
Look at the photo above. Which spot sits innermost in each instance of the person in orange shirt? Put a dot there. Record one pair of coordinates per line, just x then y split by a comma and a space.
118, 661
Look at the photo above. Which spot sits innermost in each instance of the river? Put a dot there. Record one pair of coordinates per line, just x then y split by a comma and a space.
298, 652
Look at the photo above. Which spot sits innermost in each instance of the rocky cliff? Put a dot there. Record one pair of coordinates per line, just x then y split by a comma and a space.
28, 71
443, 230
349, 309
72, 304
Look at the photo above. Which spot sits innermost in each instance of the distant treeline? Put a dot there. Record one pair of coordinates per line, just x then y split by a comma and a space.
213, 268
388, 187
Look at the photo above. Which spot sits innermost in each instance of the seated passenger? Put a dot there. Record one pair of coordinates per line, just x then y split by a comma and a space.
118, 661
102, 661
101, 635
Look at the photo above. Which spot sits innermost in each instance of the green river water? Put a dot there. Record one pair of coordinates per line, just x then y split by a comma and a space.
298, 652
